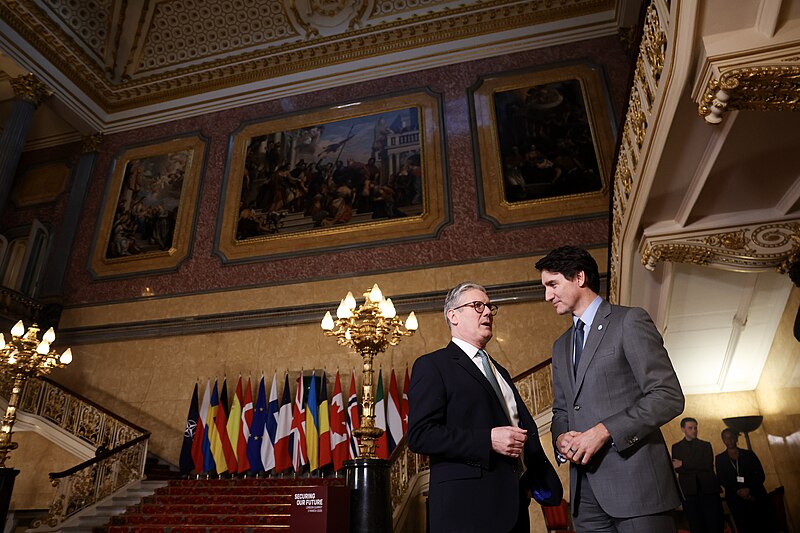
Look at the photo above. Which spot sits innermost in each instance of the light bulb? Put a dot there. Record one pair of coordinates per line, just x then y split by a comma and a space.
49, 336
411, 322
350, 301
375, 295
390, 310
18, 330
12, 360
327, 322
66, 357
2, 341
43, 348
347, 334
342, 311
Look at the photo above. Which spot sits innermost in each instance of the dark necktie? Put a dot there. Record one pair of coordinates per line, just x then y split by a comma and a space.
577, 342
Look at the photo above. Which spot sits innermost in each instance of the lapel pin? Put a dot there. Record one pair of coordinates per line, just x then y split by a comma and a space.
599, 327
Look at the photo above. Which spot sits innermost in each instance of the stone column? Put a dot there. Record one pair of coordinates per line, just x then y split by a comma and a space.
30, 93
64, 234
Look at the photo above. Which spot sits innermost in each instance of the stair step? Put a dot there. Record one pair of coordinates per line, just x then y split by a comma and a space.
132, 519
191, 529
211, 508
220, 499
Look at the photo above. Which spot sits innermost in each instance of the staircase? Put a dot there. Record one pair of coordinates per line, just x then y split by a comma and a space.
218, 505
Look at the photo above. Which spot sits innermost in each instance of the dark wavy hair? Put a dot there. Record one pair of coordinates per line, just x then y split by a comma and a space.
568, 261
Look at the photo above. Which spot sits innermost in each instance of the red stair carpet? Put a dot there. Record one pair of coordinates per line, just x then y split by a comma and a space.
215, 506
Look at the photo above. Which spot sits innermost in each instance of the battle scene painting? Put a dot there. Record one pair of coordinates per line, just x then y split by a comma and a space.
361, 169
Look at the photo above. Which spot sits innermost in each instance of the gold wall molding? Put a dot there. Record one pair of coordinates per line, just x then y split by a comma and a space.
752, 248
214, 71
759, 88
29, 88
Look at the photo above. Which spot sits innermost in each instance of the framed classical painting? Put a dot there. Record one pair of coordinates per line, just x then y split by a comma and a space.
346, 175
146, 221
545, 143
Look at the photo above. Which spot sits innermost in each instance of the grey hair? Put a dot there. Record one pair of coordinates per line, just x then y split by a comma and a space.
454, 296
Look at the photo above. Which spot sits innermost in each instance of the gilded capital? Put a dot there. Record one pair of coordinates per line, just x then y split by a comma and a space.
29, 88
91, 143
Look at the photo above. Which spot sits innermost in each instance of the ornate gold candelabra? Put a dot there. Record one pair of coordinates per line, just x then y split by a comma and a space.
368, 330
23, 357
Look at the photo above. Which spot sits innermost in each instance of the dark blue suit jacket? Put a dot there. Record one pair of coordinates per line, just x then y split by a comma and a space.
452, 410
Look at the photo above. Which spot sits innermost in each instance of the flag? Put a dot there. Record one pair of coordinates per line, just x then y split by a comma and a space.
382, 442
200, 444
187, 460
221, 420
257, 429
223, 396
205, 439
283, 459
324, 424
393, 420
338, 422
353, 419
404, 403
234, 425
298, 435
244, 433
215, 413
270, 427
312, 425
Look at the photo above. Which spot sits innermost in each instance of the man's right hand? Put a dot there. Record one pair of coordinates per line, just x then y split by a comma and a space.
509, 440
564, 441
677, 463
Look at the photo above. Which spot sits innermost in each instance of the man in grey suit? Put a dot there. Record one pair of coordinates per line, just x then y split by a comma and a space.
613, 387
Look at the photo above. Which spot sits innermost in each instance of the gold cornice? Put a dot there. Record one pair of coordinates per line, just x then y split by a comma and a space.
29, 88
752, 248
365, 42
761, 88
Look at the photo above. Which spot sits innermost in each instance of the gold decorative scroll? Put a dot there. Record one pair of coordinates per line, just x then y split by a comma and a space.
91, 143
761, 88
753, 248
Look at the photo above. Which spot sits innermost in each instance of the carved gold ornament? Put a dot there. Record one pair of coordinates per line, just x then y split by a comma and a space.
29, 88
764, 88
91, 143
752, 248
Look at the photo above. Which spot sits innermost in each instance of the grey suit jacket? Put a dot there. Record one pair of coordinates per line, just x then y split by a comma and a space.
626, 381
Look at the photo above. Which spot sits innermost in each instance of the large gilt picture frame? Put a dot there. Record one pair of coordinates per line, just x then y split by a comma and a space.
544, 143
146, 220
347, 175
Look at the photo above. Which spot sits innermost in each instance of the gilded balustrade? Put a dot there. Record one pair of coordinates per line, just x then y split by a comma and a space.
91, 481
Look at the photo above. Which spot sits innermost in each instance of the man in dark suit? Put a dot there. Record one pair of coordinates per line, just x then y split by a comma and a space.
613, 387
693, 461
466, 414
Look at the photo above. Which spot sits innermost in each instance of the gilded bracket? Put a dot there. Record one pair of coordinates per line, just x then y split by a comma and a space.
762, 88
753, 248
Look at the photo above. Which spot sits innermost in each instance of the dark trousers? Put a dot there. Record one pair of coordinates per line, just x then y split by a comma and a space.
704, 513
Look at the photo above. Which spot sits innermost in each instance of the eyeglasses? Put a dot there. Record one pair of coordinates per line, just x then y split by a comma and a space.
479, 307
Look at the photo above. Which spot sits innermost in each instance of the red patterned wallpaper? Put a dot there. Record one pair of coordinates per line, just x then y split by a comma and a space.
467, 238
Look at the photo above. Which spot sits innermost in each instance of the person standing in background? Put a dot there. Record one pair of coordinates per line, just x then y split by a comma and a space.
693, 461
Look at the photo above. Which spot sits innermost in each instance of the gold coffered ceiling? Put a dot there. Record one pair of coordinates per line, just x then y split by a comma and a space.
126, 54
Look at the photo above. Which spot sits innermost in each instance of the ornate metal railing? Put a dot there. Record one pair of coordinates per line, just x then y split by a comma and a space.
535, 387
89, 482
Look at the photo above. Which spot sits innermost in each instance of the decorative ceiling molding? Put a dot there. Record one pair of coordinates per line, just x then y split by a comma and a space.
289, 52
753, 248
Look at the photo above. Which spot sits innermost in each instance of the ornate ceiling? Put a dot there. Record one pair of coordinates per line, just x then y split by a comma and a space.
125, 54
